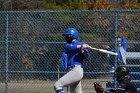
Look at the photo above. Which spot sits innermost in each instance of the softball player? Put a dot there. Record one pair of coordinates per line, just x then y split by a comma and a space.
72, 59
125, 85
121, 51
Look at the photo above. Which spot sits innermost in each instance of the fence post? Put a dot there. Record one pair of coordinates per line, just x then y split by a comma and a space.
58, 74
116, 45
7, 61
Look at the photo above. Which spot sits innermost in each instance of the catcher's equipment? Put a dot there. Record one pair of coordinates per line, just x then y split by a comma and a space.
70, 34
122, 73
98, 87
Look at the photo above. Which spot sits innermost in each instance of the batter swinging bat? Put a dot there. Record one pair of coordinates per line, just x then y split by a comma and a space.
104, 51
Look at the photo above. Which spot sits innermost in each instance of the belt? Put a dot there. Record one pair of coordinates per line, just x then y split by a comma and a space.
74, 66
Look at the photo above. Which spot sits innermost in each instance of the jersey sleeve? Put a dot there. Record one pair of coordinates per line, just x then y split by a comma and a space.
64, 60
86, 54
70, 47
125, 45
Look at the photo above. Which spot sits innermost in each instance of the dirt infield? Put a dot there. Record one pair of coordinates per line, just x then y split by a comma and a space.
38, 86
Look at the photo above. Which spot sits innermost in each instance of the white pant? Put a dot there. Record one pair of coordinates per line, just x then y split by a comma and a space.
72, 79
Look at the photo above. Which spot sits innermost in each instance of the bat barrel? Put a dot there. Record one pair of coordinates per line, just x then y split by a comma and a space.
105, 51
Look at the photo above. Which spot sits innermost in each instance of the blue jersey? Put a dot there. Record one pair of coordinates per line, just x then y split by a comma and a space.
73, 55
125, 47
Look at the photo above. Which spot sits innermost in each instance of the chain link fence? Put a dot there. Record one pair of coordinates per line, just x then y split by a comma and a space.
31, 44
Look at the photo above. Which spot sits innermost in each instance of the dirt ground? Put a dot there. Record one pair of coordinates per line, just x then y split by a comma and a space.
38, 86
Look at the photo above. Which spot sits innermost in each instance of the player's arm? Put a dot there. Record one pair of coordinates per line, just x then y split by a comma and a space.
83, 46
125, 45
85, 52
70, 47
73, 47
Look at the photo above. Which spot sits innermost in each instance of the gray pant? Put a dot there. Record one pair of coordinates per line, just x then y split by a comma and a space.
72, 79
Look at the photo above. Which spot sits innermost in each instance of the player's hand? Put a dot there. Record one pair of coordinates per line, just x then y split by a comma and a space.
83, 46
98, 87
86, 46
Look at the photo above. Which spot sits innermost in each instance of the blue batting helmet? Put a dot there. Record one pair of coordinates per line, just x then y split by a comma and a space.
72, 32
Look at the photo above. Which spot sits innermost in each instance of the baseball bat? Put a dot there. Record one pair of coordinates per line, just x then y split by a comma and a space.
105, 51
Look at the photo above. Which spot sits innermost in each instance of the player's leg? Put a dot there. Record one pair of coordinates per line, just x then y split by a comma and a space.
72, 76
76, 87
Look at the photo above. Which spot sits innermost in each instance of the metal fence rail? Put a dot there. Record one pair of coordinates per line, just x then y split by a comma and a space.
31, 44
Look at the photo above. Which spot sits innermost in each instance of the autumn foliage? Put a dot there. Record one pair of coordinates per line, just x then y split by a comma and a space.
69, 4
